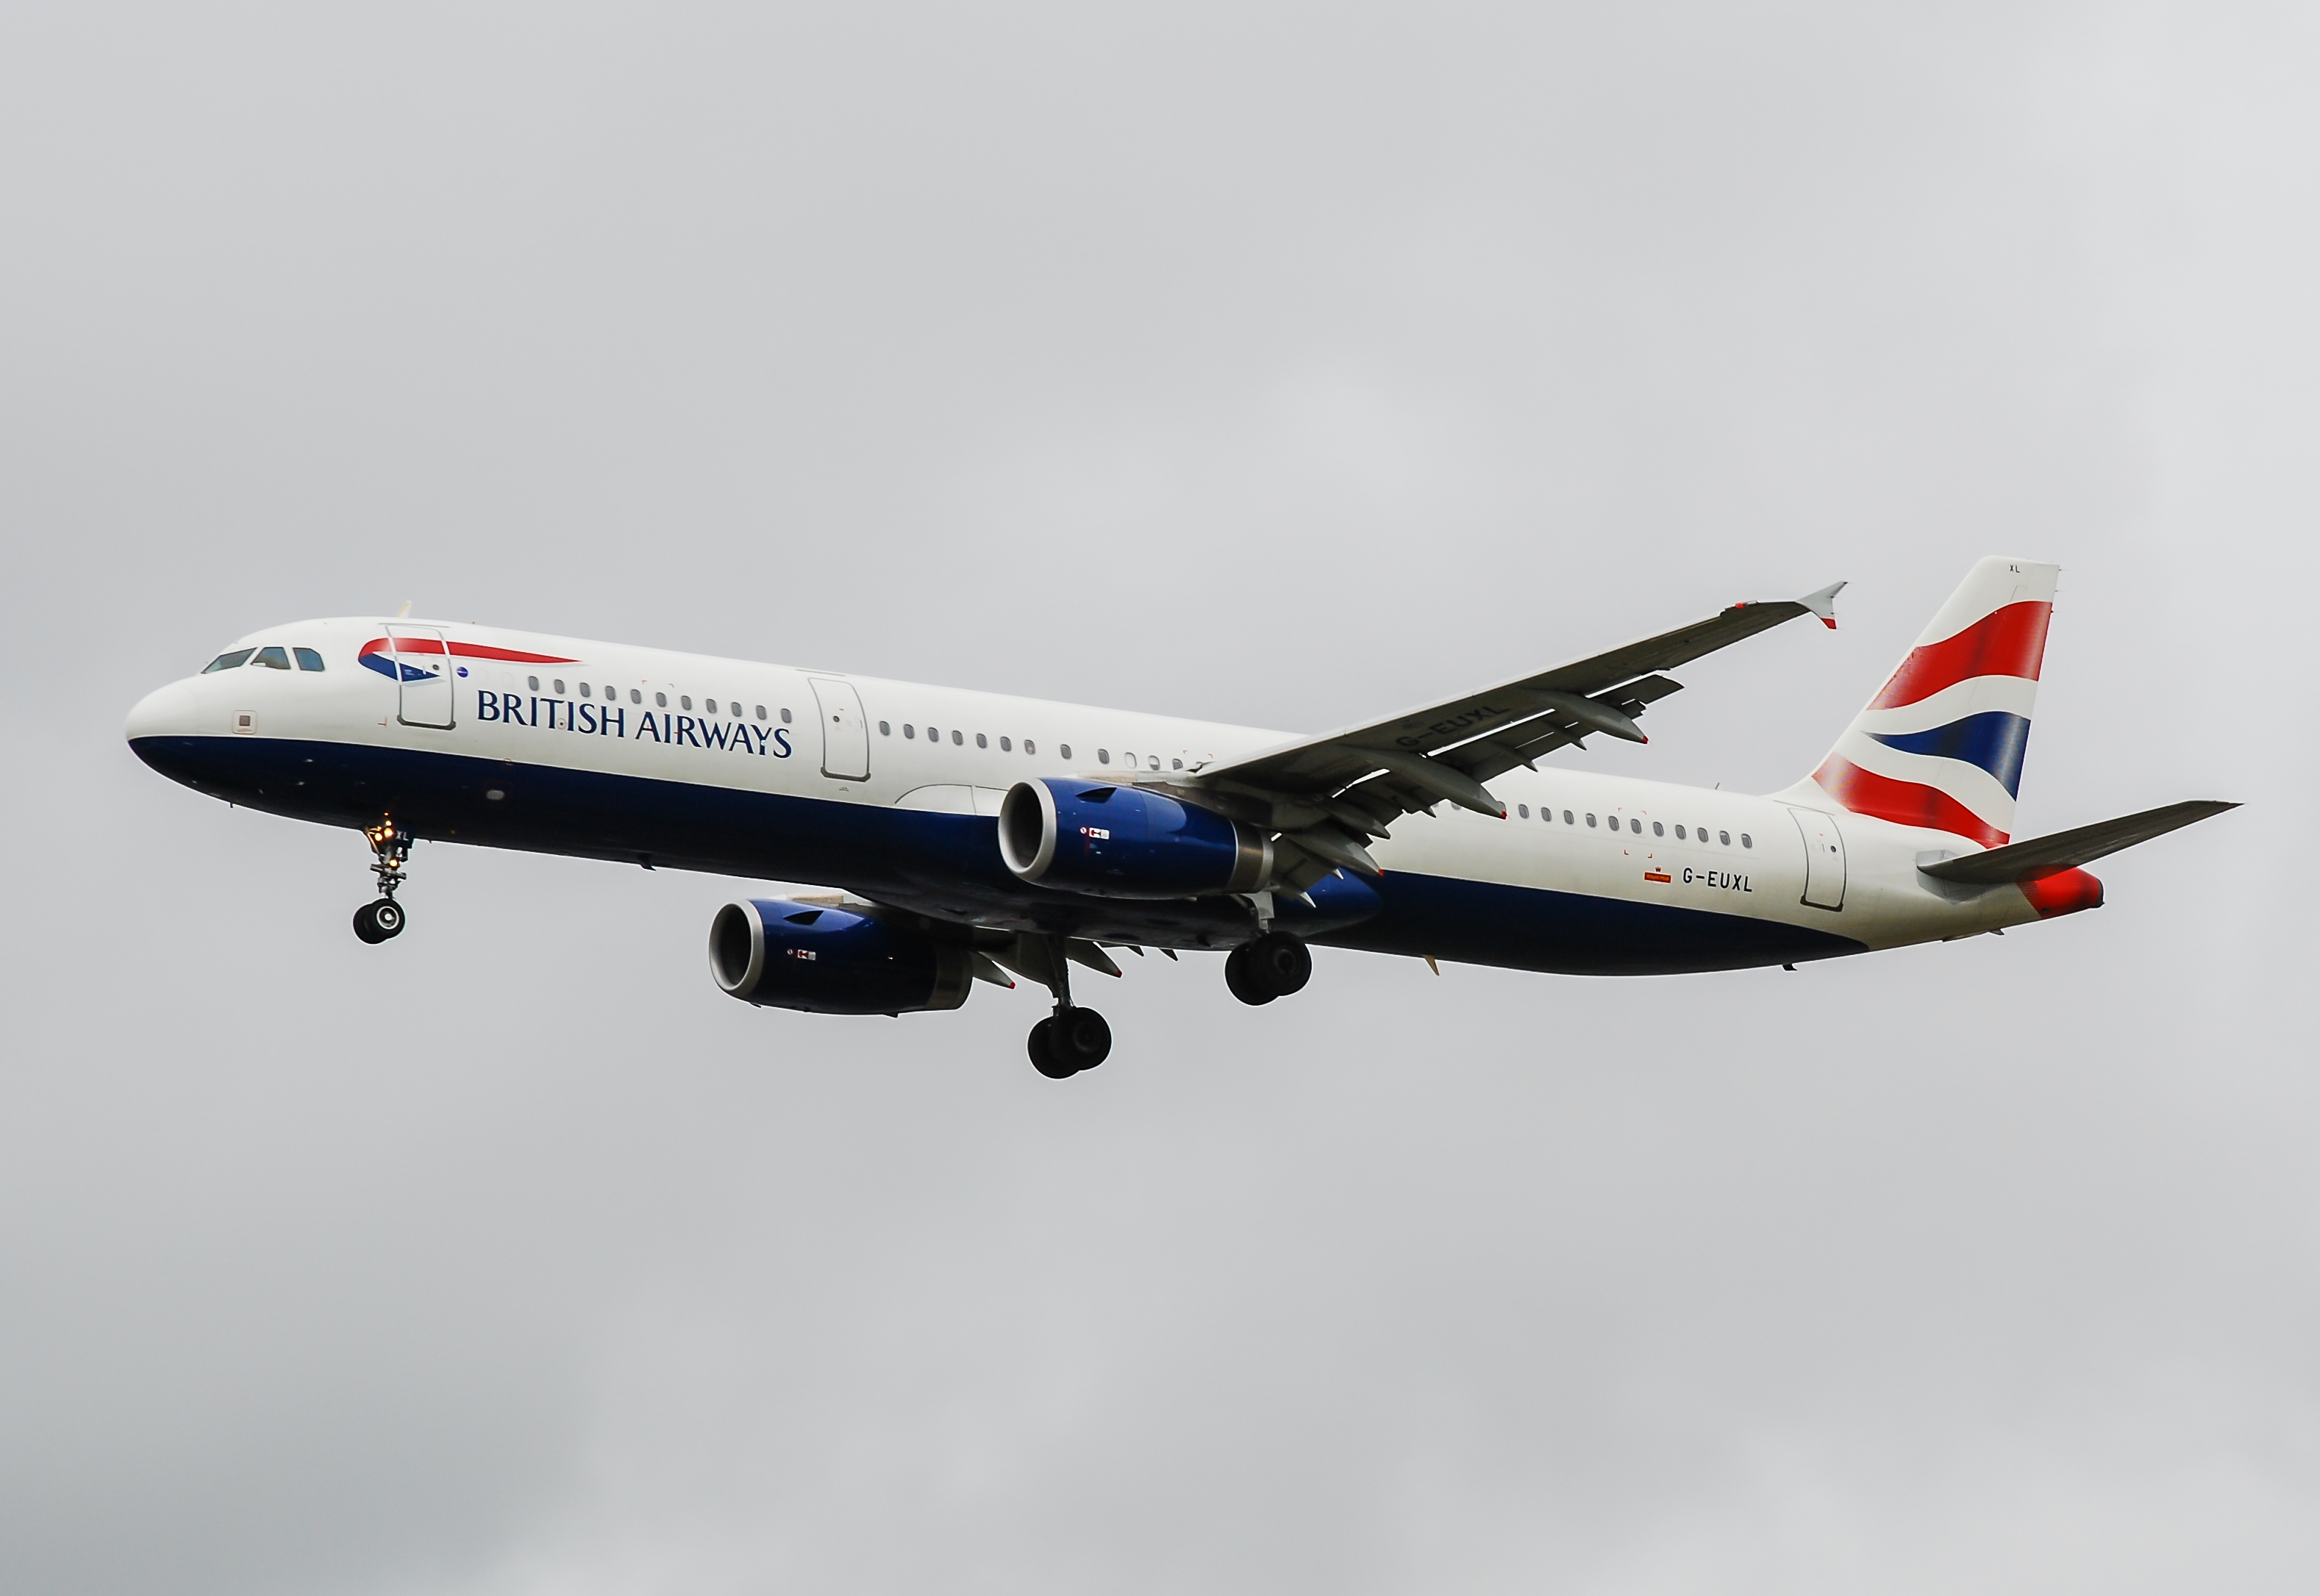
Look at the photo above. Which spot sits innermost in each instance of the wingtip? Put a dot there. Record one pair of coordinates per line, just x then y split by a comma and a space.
1824, 603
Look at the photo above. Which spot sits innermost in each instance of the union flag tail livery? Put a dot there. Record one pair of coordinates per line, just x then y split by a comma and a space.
1941, 746
968, 839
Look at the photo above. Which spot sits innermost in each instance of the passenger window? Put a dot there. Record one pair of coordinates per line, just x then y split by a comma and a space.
1746, 841
708, 706
685, 700
761, 712
534, 686
1591, 817
1637, 826
980, 741
1175, 764
908, 730
1103, 756
1523, 810
957, 738
1066, 750
660, 699
636, 695
1567, 820
584, 689
785, 718
559, 687
1005, 745
1658, 829
1029, 746
227, 661
1678, 833
1152, 760
1724, 838
308, 659
885, 730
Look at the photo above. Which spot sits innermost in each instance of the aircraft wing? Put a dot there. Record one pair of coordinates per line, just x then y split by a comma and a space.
1332, 793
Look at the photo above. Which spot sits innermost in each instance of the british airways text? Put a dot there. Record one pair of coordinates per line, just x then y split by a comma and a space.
611, 720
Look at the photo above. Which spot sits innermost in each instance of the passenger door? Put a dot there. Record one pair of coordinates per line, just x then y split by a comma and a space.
422, 672
844, 733
1824, 858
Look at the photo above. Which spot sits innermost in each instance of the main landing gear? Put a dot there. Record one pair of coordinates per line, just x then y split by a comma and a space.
383, 918
1274, 965
1072, 1038
1069, 1041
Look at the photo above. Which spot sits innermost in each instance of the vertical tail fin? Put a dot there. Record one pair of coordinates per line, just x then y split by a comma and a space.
1942, 744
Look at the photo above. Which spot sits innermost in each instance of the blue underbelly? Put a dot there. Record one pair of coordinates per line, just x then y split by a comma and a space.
943, 865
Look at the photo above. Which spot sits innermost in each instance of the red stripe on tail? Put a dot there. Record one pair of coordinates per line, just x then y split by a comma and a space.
1905, 803
2007, 642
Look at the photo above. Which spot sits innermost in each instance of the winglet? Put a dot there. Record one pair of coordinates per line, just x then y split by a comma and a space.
1824, 603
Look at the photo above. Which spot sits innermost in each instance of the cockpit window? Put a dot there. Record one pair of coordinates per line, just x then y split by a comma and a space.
227, 661
308, 659
274, 657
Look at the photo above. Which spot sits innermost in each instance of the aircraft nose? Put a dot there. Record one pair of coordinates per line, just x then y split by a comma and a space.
166, 712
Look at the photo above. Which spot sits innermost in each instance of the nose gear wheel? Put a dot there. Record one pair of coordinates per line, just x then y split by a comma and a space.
389, 847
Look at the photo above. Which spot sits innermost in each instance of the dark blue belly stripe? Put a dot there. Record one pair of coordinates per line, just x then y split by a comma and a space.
943, 865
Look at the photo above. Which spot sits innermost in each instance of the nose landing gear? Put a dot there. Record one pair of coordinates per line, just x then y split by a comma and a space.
383, 918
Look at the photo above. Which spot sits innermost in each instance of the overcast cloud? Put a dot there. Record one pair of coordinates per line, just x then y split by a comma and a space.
1275, 363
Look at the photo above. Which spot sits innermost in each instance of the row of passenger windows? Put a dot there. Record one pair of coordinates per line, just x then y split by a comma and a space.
1007, 744
1659, 828
885, 727
274, 657
958, 738
660, 699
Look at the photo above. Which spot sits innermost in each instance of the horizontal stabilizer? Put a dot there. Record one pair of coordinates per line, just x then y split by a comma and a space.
2068, 850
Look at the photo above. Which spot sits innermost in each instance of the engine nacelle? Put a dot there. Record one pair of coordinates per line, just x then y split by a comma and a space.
1124, 841
831, 961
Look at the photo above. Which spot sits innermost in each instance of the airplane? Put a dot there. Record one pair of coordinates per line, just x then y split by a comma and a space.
965, 836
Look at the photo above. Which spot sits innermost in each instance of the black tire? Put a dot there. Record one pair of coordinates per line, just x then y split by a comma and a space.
389, 917
367, 925
1241, 979
1080, 1037
1043, 1053
1281, 963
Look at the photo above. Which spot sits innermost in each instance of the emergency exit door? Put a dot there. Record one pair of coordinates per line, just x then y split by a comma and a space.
845, 734
1824, 858
422, 675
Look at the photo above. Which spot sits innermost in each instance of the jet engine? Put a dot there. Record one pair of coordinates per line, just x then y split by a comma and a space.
1125, 841
829, 960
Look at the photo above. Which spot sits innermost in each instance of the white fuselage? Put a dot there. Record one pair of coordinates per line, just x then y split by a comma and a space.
596, 710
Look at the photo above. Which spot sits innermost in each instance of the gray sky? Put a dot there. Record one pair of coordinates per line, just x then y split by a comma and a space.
1276, 363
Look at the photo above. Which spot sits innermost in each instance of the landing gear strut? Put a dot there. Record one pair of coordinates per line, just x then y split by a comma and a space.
1072, 1038
1274, 965
383, 918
